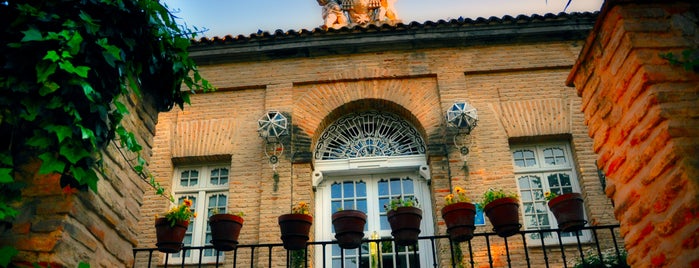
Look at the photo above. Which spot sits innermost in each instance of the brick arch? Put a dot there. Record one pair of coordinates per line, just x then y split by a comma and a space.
415, 99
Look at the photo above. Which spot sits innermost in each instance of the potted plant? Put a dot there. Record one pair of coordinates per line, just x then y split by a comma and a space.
225, 229
296, 226
170, 230
459, 214
404, 217
349, 227
568, 210
502, 209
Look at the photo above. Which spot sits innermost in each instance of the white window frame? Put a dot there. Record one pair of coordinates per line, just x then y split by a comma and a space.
323, 221
542, 170
199, 225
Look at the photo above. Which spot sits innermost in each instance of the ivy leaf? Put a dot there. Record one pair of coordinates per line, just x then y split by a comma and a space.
74, 42
70, 68
62, 132
43, 71
89, 92
31, 109
6, 175
5, 158
52, 55
50, 164
33, 34
73, 153
48, 87
111, 54
120, 107
85, 176
83, 265
39, 141
6, 254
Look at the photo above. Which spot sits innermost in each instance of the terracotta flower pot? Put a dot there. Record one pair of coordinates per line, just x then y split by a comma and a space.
460, 220
405, 225
349, 228
169, 238
503, 213
295, 229
568, 210
225, 229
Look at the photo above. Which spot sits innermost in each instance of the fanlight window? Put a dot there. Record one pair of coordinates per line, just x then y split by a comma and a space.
369, 134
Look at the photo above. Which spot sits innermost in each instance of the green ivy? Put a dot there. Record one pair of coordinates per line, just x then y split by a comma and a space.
689, 59
66, 66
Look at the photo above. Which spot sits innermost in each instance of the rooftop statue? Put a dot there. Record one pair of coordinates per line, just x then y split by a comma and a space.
387, 11
361, 11
333, 17
336, 15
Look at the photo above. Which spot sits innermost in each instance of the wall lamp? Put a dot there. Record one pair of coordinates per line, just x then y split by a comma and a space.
464, 118
272, 127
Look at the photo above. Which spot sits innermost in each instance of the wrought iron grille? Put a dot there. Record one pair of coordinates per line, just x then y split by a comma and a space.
484, 248
369, 134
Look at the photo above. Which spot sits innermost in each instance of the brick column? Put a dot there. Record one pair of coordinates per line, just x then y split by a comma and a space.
60, 228
643, 116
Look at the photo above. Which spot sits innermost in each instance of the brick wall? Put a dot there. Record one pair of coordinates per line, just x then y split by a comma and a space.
518, 89
61, 230
642, 113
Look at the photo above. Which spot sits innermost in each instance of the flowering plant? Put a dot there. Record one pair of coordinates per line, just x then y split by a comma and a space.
459, 197
300, 208
216, 211
492, 195
549, 195
183, 212
399, 201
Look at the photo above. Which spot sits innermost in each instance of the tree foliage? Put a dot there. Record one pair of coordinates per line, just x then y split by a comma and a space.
64, 67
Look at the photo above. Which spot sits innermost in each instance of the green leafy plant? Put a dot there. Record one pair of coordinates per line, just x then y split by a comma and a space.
550, 195
216, 211
493, 194
400, 201
608, 259
689, 59
458, 196
71, 70
298, 258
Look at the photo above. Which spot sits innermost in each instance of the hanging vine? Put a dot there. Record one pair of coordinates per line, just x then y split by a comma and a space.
67, 66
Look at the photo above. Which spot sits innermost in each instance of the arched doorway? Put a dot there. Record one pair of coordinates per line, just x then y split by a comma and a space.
361, 161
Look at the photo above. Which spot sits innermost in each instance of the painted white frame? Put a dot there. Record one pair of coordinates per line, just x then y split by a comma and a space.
201, 191
542, 170
323, 224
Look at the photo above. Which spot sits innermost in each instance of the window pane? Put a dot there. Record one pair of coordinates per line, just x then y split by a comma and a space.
408, 187
554, 156
335, 190
219, 176
395, 187
383, 188
348, 189
189, 178
524, 182
361, 189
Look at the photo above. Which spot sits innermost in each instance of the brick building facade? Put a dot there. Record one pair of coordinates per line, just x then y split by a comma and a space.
511, 70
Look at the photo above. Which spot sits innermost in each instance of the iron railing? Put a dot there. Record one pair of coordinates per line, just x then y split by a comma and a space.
519, 250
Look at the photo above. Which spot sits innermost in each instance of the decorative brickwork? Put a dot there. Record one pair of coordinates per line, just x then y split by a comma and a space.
642, 114
517, 87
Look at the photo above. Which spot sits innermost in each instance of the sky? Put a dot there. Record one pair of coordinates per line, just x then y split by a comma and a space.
236, 17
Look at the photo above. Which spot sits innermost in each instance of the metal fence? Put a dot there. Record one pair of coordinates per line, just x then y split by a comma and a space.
591, 247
